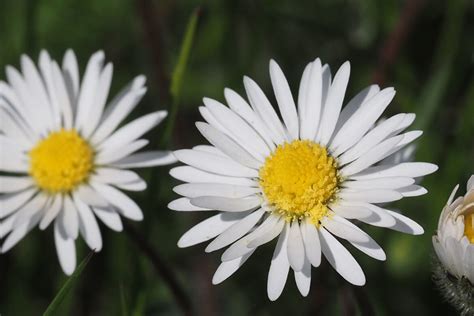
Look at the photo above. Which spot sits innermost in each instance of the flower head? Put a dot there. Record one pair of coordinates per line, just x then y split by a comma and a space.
65, 155
454, 239
302, 179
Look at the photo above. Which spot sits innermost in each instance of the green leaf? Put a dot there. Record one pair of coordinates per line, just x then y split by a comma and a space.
58, 299
179, 71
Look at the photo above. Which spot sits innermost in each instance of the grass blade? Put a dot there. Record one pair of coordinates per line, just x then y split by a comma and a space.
53, 307
179, 71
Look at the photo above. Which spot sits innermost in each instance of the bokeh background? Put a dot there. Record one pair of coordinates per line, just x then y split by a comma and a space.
425, 49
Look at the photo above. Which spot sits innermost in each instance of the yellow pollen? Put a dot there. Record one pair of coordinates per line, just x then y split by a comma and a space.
299, 179
469, 227
61, 161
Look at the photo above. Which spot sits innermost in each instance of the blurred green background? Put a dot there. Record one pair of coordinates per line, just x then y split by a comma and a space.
425, 49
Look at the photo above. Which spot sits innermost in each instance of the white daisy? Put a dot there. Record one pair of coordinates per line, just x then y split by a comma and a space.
64, 157
454, 240
300, 179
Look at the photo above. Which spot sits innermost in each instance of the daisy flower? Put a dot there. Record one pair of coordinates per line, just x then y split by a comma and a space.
302, 179
454, 239
454, 246
64, 158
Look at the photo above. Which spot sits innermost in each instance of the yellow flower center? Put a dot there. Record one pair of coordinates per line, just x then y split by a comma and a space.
299, 179
469, 227
61, 161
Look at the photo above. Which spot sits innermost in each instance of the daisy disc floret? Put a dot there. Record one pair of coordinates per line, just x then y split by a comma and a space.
299, 179
301, 176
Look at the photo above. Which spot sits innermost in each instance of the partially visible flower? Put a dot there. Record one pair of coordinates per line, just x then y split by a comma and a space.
301, 180
454, 246
65, 156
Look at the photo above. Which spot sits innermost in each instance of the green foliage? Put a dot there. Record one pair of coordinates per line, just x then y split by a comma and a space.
67, 287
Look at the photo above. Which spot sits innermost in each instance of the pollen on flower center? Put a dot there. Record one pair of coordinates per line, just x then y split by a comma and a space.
299, 179
61, 161
469, 227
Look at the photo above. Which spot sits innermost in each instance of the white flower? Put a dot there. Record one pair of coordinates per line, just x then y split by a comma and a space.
454, 239
66, 156
301, 179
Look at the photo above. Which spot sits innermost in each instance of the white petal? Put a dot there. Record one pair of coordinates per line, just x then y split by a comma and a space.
110, 218
69, 218
279, 267
10, 202
295, 250
46, 67
365, 244
333, 105
264, 109
267, 233
100, 97
13, 129
303, 278
361, 121
65, 249
137, 185
371, 157
412, 190
468, 259
235, 126
208, 229
133, 130
405, 225
127, 206
51, 212
351, 212
12, 160
341, 259
37, 91
227, 204
88, 225
243, 245
372, 138
214, 163
378, 216
284, 99
370, 196
30, 209
65, 94
235, 231
87, 194
243, 109
406, 169
227, 268
193, 175
379, 183
311, 243
193, 190
19, 232
85, 102
115, 154
71, 74
303, 93
342, 228
228, 146
119, 108
354, 104
14, 184
111, 175
184, 205
470, 183
310, 113
146, 159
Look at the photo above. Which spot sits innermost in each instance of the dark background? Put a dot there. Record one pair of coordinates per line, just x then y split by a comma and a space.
425, 49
